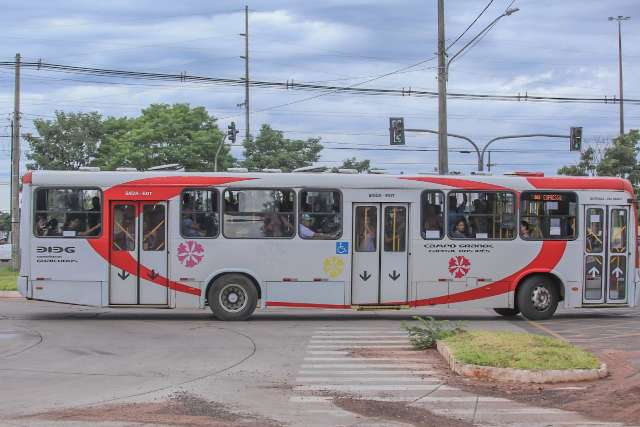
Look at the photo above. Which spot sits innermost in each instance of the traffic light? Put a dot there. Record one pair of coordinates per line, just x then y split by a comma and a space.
575, 141
396, 130
232, 132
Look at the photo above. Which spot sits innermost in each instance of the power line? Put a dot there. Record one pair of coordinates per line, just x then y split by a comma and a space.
470, 25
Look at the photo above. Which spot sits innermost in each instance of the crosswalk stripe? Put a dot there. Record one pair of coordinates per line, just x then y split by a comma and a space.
366, 379
354, 359
361, 365
368, 387
366, 372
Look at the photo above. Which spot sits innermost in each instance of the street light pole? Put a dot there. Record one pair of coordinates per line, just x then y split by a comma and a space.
443, 150
619, 19
443, 76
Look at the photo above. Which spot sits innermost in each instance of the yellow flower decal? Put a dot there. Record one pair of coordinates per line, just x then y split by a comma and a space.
333, 266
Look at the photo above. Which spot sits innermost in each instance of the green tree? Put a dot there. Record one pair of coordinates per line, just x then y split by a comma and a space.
271, 150
67, 142
585, 167
352, 163
164, 134
621, 158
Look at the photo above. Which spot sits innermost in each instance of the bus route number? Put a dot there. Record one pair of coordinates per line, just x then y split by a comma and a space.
138, 193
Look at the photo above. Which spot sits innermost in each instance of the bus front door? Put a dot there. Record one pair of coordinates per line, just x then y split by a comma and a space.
606, 254
138, 243
380, 255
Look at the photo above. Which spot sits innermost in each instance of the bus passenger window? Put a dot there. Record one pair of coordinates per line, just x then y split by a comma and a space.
366, 225
124, 228
153, 225
548, 216
67, 212
259, 213
481, 215
432, 213
320, 215
199, 214
395, 228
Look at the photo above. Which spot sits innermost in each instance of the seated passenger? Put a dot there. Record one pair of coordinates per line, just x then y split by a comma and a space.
460, 230
189, 227
307, 230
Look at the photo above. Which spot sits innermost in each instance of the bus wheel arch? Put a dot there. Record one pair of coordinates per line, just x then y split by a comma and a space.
537, 295
232, 295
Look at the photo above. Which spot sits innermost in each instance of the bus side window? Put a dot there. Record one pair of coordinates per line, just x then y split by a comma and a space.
548, 216
482, 215
67, 212
320, 215
432, 214
124, 228
199, 214
259, 213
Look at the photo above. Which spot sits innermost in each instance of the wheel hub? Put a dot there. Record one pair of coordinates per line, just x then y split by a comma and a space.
541, 298
233, 298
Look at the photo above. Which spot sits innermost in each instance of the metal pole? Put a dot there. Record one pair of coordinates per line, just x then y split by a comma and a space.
620, 77
453, 135
489, 163
443, 153
15, 172
246, 73
215, 159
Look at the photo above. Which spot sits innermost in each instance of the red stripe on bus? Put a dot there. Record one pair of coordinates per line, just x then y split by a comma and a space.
549, 256
161, 188
458, 183
303, 305
578, 183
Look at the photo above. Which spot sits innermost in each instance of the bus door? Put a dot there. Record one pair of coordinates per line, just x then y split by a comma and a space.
380, 255
139, 242
606, 254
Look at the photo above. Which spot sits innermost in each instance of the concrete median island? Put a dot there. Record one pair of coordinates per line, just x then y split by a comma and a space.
518, 357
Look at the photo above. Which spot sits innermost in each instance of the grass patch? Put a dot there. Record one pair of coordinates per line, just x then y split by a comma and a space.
518, 350
8, 279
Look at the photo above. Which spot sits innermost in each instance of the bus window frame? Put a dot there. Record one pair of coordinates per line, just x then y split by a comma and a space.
300, 212
65, 187
295, 207
219, 212
564, 239
443, 232
516, 215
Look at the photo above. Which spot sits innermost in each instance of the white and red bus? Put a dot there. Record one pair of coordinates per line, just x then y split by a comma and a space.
235, 241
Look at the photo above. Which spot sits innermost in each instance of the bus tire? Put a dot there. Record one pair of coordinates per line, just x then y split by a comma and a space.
232, 297
507, 312
537, 298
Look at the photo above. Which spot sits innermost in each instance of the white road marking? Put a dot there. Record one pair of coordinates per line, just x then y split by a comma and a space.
359, 346
364, 359
350, 342
329, 352
329, 336
361, 365
366, 372
366, 379
369, 387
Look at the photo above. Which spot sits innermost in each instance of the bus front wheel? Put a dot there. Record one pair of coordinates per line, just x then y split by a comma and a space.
507, 312
537, 298
232, 297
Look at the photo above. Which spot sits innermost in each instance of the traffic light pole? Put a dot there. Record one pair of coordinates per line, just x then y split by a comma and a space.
481, 152
215, 159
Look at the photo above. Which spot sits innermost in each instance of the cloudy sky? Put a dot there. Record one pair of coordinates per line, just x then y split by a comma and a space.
549, 47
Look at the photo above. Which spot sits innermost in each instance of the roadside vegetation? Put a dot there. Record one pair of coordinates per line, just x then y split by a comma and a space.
518, 350
8, 279
427, 331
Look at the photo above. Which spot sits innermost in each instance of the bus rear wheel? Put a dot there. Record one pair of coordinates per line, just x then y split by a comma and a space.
232, 297
507, 312
537, 298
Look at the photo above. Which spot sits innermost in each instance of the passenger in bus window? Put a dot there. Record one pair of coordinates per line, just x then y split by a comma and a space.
94, 221
41, 226
456, 211
460, 230
308, 230
525, 231
189, 227
367, 237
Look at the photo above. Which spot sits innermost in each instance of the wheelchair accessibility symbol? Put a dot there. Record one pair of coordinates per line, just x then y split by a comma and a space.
342, 248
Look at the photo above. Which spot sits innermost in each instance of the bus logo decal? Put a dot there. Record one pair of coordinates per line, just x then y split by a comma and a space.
459, 266
190, 253
333, 266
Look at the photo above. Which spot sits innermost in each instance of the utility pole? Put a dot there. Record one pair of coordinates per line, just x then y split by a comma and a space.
246, 72
619, 19
15, 172
443, 149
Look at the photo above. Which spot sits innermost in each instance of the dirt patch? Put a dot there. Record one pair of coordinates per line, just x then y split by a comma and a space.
396, 411
615, 398
181, 409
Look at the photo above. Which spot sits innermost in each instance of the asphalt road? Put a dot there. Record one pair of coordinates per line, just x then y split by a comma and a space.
58, 360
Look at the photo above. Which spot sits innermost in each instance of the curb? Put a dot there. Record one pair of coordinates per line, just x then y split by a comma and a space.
519, 375
10, 294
